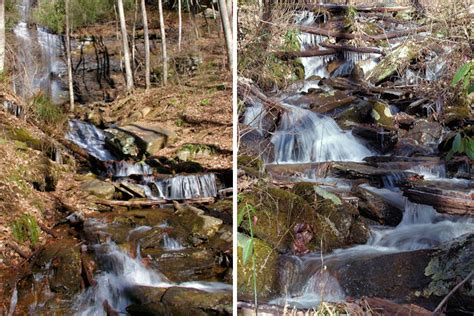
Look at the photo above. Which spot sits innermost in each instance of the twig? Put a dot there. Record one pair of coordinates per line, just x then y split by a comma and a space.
18, 250
47, 230
437, 311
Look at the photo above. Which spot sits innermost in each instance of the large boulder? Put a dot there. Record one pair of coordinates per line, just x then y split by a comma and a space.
121, 143
149, 137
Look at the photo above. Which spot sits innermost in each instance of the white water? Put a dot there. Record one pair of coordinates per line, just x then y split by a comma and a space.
120, 272
304, 136
183, 187
125, 169
421, 228
90, 138
172, 244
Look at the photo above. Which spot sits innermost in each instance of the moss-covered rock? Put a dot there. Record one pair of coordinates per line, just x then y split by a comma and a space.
277, 212
266, 272
396, 61
253, 166
98, 188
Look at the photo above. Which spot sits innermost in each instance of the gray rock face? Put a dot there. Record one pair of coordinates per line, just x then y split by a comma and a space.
139, 138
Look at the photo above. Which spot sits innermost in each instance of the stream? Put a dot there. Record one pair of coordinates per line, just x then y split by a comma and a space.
174, 258
305, 141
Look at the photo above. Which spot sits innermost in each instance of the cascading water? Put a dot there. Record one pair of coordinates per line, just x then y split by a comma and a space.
90, 138
421, 228
120, 273
125, 169
304, 136
170, 243
254, 115
183, 187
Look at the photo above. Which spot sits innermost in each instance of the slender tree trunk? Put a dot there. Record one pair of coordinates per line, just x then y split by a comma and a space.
193, 17
126, 53
69, 59
134, 46
163, 43
147, 45
180, 25
2, 35
227, 30
230, 11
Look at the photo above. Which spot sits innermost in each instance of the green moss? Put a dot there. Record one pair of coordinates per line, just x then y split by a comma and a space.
266, 260
26, 228
22, 135
277, 213
253, 166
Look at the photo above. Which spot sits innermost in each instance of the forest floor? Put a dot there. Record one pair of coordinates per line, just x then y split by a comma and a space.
196, 105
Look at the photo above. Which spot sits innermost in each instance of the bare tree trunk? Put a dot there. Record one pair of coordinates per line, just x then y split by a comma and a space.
227, 30
180, 26
163, 43
69, 59
134, 46
193, 17
2, 35
147, 45
126, 53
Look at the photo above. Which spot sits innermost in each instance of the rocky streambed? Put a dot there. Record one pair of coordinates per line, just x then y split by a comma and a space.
345, 177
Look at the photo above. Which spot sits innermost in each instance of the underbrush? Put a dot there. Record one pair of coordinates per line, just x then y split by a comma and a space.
51, 14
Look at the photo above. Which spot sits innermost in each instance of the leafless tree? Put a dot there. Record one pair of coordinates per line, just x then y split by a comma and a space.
69, 59
126, 53
147, 45
163, 43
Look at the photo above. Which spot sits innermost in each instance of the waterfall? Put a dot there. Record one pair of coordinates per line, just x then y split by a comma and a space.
120, 273
90, 138
125, 169
184, 187
304, 136
172, 244
37, 59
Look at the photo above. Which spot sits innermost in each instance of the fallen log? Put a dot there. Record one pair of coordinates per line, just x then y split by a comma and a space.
442, 201
332, 49
374, 38
47, 230
382, 306
18, 250
306, 53
244, 89
149, 203
368, 50
344, 7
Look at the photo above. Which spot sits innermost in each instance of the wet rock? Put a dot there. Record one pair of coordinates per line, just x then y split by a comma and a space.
187, 264
184, 301
376, 208
393, 276
344, 216
380, 138
150, 137
394, 61
60, 263
98, 188
266, 273
407, 147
